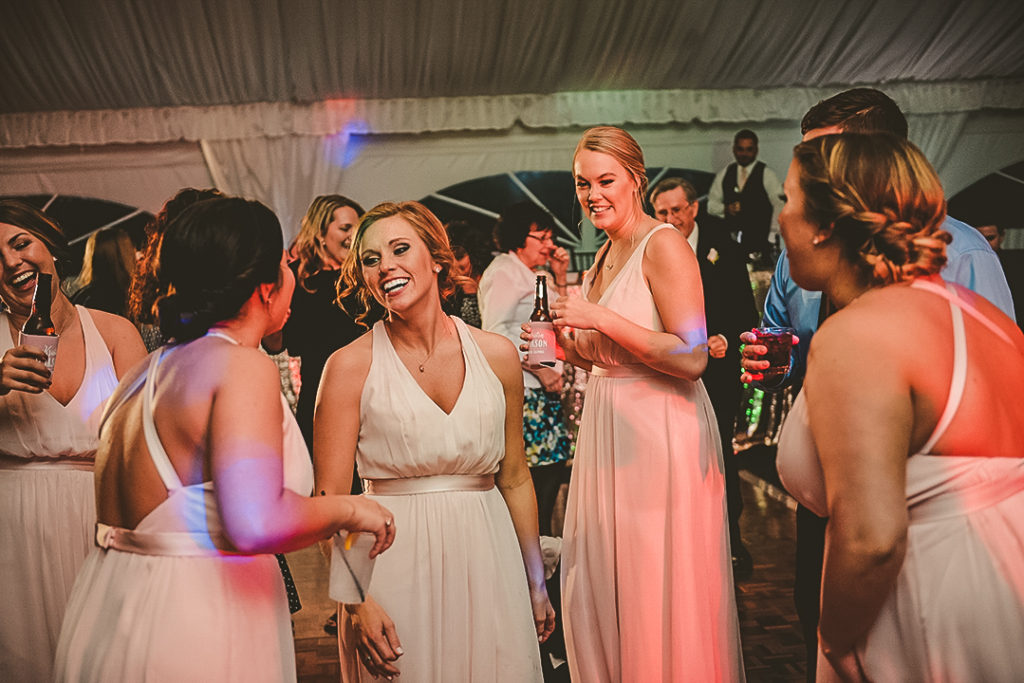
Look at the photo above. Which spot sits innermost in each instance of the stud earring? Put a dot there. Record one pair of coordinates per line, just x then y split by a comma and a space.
437, 268
816, 241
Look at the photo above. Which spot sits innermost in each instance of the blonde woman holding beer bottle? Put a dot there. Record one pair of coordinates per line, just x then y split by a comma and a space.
524, 233
647, 588
431, 410
48, 423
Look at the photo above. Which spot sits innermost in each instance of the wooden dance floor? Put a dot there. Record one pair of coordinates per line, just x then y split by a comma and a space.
773, 648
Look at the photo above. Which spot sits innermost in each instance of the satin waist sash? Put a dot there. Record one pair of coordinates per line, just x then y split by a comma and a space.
171, 543
431, 484
962, 501
8, 462
633, 371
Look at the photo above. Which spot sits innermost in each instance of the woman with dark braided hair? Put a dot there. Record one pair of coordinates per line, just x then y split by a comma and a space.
906, 434
202, 474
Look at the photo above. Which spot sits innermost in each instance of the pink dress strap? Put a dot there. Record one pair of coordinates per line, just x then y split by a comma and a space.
957, 306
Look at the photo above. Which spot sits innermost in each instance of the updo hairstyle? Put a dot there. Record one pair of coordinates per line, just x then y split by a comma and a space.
883, 200
308, 247
210, 261
142, 292
621, 146
427, 227
42, 227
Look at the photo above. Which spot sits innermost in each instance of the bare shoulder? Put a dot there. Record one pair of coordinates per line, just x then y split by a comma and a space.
667, 252
351, 361
495, 347
669, 240
501, 354
121, 338
114, 329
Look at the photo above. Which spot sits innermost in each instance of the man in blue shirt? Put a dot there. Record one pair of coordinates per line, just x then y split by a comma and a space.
971, 263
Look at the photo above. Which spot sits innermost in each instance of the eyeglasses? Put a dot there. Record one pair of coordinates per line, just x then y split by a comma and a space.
541, 237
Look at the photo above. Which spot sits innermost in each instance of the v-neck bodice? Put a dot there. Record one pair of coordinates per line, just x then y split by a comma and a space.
629, 296
40, 426
404, 433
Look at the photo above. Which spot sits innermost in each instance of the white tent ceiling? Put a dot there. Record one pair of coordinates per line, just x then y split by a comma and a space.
250, 90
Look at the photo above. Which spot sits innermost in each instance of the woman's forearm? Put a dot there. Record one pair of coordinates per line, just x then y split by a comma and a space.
522, 506
857, 579
661, 351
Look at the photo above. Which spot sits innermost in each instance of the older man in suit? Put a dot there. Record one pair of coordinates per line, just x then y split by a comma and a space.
728, 310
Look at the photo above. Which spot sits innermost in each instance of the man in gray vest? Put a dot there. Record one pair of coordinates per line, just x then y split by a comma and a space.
747, 195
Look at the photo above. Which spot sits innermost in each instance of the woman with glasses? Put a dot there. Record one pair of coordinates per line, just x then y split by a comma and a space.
524, 235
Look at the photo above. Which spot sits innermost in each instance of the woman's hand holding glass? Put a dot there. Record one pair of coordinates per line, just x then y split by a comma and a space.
753, 362
372, 517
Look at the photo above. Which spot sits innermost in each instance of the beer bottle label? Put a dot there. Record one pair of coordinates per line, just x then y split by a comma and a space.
45, 343
542, 345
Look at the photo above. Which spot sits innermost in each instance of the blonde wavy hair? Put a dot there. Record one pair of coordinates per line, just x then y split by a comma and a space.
883, 200
308, 247
621, 146
427, 227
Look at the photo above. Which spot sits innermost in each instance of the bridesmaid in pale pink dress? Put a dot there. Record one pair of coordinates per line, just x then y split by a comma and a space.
646, 566
906, 434
201, 475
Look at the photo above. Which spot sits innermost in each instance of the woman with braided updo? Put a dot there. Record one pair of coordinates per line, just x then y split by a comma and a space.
906, 432
202, 474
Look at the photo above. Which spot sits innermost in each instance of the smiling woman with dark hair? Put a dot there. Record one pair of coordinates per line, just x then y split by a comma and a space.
202, 474
48, 439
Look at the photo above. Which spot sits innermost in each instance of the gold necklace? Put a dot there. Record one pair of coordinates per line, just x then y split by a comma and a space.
608, 252
423, 363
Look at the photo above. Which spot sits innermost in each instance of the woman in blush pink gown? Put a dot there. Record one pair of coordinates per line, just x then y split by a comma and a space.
906, 434
646, 566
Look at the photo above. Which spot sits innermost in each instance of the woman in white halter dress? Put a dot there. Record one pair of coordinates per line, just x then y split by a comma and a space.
201, 476
48, 437
432, 412
906, 434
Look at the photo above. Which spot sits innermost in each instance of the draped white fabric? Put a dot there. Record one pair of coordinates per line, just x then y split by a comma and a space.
120, 54
283, 172
561, 110
281, 100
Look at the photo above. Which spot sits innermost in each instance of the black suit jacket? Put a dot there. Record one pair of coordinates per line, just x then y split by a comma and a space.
728, 310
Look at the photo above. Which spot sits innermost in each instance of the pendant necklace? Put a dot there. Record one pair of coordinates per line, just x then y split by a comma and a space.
422, 365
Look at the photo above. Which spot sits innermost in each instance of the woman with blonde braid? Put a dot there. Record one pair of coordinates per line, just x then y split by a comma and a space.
906, 434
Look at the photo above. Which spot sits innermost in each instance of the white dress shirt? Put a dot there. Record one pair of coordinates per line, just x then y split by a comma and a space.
505, 294
772, 187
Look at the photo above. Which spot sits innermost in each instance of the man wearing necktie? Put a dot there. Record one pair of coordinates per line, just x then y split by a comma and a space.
747, 195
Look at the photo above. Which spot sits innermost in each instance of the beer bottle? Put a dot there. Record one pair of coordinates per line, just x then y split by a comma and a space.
39, 331
542, 331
